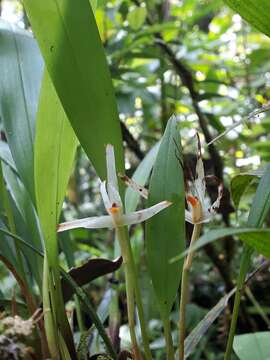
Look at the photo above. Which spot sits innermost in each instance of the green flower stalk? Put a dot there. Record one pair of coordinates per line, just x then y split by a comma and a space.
198, 213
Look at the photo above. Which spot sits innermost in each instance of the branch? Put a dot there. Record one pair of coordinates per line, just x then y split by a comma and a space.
132, 143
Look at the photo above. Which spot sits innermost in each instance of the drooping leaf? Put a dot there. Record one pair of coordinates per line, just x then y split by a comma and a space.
21, 73
165, 232
89, 271
195, 336
253, 11
257, 238
70, 44
252, 346
140, 176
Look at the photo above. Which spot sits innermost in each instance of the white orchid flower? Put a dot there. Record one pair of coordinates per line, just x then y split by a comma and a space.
198, 210
113, 204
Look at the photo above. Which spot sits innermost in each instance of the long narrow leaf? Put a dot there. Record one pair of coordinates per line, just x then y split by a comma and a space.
165, 233
54, 155
257, 238
55, 147
21, 70
70, 44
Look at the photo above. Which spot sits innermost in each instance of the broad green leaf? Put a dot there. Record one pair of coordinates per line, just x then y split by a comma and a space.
255, 346
165, 232
240, 183
140, 176
70, 44
54, 155
257, 13
136, 17
257, 238
22, 67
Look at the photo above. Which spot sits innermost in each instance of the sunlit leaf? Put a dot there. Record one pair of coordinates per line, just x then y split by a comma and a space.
70, 44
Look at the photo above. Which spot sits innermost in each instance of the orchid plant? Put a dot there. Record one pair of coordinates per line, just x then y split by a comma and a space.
118, 220
198, 212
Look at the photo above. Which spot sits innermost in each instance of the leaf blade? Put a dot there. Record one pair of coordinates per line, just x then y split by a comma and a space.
165, 232
68, 38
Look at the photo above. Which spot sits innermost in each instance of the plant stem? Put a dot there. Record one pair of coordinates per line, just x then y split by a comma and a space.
132, 287
184, 291
168, 339
121, 235
257, 306
244, 266
138, 296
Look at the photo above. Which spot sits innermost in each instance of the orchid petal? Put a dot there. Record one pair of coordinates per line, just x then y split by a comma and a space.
188, 216
114, 195
213, 209
111, 170
96, 222
104, 195
200, 176
142, 191
142, 215
199, 182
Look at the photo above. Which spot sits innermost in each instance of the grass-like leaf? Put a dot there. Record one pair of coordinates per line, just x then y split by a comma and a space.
22, 67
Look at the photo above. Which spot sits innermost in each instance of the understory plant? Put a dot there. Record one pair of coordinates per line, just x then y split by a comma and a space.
80, 291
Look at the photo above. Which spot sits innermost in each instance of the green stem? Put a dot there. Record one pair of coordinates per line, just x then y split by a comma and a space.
184, 291
79, 315
257, 306
127, 260
132, 287
168, 339
139, 303
244, 266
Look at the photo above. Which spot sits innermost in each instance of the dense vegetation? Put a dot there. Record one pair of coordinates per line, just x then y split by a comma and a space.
104, 101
